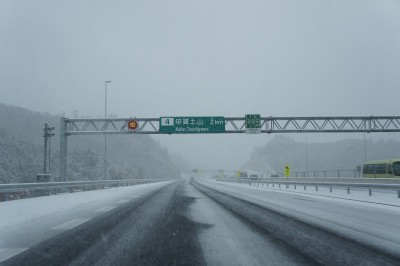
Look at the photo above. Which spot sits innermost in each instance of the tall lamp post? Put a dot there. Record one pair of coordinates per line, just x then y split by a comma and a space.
105, 134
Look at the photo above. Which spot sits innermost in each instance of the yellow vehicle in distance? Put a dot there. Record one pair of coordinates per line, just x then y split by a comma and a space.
382, 169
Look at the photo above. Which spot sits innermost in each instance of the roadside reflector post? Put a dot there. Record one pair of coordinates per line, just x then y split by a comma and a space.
330, 189
316, 188
370, 192
348, 190
305, 188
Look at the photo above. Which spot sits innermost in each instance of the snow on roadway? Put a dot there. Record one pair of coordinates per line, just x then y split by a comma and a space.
29, 221
230, 241
371, 219
385, 199
24, 210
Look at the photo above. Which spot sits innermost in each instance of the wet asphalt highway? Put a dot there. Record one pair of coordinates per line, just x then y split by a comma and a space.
188, 223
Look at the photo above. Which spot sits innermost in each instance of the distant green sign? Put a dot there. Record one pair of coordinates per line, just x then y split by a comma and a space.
253, 124
192, 124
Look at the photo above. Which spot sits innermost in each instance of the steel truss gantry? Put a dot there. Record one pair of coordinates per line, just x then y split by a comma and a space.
335, 124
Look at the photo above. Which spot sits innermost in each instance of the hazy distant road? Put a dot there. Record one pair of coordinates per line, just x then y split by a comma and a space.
205, 223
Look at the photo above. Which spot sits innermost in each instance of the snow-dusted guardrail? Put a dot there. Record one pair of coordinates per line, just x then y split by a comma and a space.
27, 190
346, 185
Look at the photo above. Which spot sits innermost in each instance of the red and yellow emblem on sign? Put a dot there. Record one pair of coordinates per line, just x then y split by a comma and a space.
132, 124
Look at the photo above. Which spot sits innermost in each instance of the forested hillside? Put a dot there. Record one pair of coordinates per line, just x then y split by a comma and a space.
128, 156
341, 155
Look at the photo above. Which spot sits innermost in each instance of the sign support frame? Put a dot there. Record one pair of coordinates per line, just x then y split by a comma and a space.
233, 125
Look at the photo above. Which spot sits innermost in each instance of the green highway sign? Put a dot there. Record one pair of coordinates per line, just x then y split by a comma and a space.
192, 124
253, 124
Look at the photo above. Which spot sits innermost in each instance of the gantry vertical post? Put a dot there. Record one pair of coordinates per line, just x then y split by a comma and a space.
63, 150
45, 135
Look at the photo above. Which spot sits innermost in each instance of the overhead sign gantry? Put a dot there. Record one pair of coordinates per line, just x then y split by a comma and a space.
250, 124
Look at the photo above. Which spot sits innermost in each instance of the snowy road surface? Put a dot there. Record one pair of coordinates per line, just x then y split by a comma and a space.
198, 222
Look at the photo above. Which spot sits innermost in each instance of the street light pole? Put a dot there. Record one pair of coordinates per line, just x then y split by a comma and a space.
105, 134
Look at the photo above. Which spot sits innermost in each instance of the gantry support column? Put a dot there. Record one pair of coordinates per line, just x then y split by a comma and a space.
63, 150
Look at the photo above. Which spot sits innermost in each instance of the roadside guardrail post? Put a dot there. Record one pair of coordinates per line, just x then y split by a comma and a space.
341, 185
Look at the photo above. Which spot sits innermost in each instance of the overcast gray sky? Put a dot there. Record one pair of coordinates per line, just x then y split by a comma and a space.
209, 57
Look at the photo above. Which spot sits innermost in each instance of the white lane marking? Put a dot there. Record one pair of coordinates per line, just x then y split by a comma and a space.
123, 201
70, 224
135, 195
105, 209
6, 253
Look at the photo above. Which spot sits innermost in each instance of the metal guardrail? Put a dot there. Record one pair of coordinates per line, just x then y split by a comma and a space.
29, 190
331, 185
321, 173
